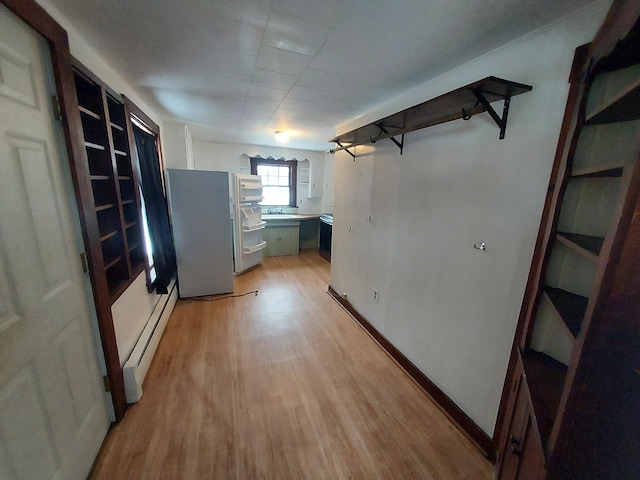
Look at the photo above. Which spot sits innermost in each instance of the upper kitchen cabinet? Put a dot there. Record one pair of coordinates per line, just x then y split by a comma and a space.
574, 376
311, 178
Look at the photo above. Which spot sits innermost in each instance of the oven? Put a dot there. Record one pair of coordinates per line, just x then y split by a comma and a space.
326, 226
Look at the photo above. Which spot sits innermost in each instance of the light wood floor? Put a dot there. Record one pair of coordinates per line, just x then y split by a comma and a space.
282, 385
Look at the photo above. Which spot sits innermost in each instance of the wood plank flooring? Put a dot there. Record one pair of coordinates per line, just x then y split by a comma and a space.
282, 385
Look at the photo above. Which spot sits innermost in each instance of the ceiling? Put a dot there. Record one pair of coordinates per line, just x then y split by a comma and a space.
238, 70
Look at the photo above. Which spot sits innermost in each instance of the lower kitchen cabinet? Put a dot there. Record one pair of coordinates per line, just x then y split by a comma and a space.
282, 239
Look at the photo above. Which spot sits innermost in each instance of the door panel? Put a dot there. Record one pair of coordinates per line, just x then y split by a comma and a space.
53, 414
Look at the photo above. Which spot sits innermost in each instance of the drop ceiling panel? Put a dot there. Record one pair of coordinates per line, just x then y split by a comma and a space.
237, 68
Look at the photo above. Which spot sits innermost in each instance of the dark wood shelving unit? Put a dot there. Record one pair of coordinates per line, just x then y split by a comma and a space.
622, 108
575, 354
569, 307
461, 103
545, 378
584, 244
604, 171
115, 187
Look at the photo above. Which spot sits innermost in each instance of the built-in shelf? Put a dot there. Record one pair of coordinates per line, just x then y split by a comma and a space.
253, 228
100, 177
255, 248
89, 113
622, 108
545, 379
106, 206
111, 263
108, 235
462, 103
605, 170
120, 152
569, 307
127, 202
117, 127
124, 177
95, 146
134, 246
586, 245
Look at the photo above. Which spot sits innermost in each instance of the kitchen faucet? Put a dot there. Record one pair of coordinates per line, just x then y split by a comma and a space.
275, 210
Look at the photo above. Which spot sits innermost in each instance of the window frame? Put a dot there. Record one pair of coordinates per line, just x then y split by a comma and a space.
293, 177
141, 120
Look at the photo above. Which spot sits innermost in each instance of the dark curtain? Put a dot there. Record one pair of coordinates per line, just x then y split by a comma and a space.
164, 254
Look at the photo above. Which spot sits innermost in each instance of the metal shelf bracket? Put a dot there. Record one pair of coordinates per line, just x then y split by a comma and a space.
399, 144
342, 147
501, 122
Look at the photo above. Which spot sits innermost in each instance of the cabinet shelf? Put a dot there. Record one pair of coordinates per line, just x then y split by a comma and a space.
109, 235
106, 206
253, 228
100, 177
586, 245
132, 247
621, 108
120, 152
255, 248
545, 379
111, 263
569, 307
89, 113
94, 146
604, 170
117, 127
463, 102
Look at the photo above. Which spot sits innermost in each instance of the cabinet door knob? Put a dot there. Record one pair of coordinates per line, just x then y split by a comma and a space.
514, 450
514, 440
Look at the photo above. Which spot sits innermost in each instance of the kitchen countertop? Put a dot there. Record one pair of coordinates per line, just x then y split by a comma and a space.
289, 216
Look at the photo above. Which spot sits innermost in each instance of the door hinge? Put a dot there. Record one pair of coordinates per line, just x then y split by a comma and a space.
107, 385
57, 109
85, 262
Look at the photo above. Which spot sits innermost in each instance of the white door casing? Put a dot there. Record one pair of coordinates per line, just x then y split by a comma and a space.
53, 416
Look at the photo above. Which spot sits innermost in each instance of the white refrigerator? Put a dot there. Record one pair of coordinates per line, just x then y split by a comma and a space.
248, 224
201, 221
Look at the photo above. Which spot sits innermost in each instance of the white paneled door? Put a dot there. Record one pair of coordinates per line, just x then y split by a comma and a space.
53, 416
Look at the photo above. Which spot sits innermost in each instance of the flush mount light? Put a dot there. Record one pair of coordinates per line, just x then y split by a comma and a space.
282, 136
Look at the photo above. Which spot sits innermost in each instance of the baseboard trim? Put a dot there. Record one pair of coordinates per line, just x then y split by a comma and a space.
462, 421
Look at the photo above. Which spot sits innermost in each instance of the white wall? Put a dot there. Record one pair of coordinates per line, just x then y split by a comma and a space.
452, 309
233, 157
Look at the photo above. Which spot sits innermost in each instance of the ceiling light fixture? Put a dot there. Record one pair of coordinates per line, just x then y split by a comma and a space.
282, 136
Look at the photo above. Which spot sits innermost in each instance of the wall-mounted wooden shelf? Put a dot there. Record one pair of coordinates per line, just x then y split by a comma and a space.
462, 103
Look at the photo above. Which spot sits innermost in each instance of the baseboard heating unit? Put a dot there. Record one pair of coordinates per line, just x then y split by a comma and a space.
136, 367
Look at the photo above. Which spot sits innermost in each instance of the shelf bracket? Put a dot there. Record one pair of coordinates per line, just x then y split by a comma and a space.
342, 147
501, 122
399, 144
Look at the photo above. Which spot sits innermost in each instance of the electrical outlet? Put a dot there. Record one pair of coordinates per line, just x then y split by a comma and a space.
376, 295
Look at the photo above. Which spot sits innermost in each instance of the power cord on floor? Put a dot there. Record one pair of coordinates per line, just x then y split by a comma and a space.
210, 299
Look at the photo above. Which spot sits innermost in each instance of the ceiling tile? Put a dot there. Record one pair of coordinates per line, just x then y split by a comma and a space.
258, 91
325, 12
231, 35
228, 61
227, 79
262, 103
253, 12
171, 35
295, 35
278, 81
282, 61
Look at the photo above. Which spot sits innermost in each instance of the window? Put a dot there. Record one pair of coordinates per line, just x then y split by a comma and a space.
278, 180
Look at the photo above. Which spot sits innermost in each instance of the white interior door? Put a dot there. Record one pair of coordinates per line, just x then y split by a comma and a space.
53, 416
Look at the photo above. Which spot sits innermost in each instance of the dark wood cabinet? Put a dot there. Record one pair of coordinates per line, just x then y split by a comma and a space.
114, 182
571, 401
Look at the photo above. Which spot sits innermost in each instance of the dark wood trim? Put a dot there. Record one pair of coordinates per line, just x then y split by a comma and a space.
293, 179
543, 241
464, 423
143, 117
38, 19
